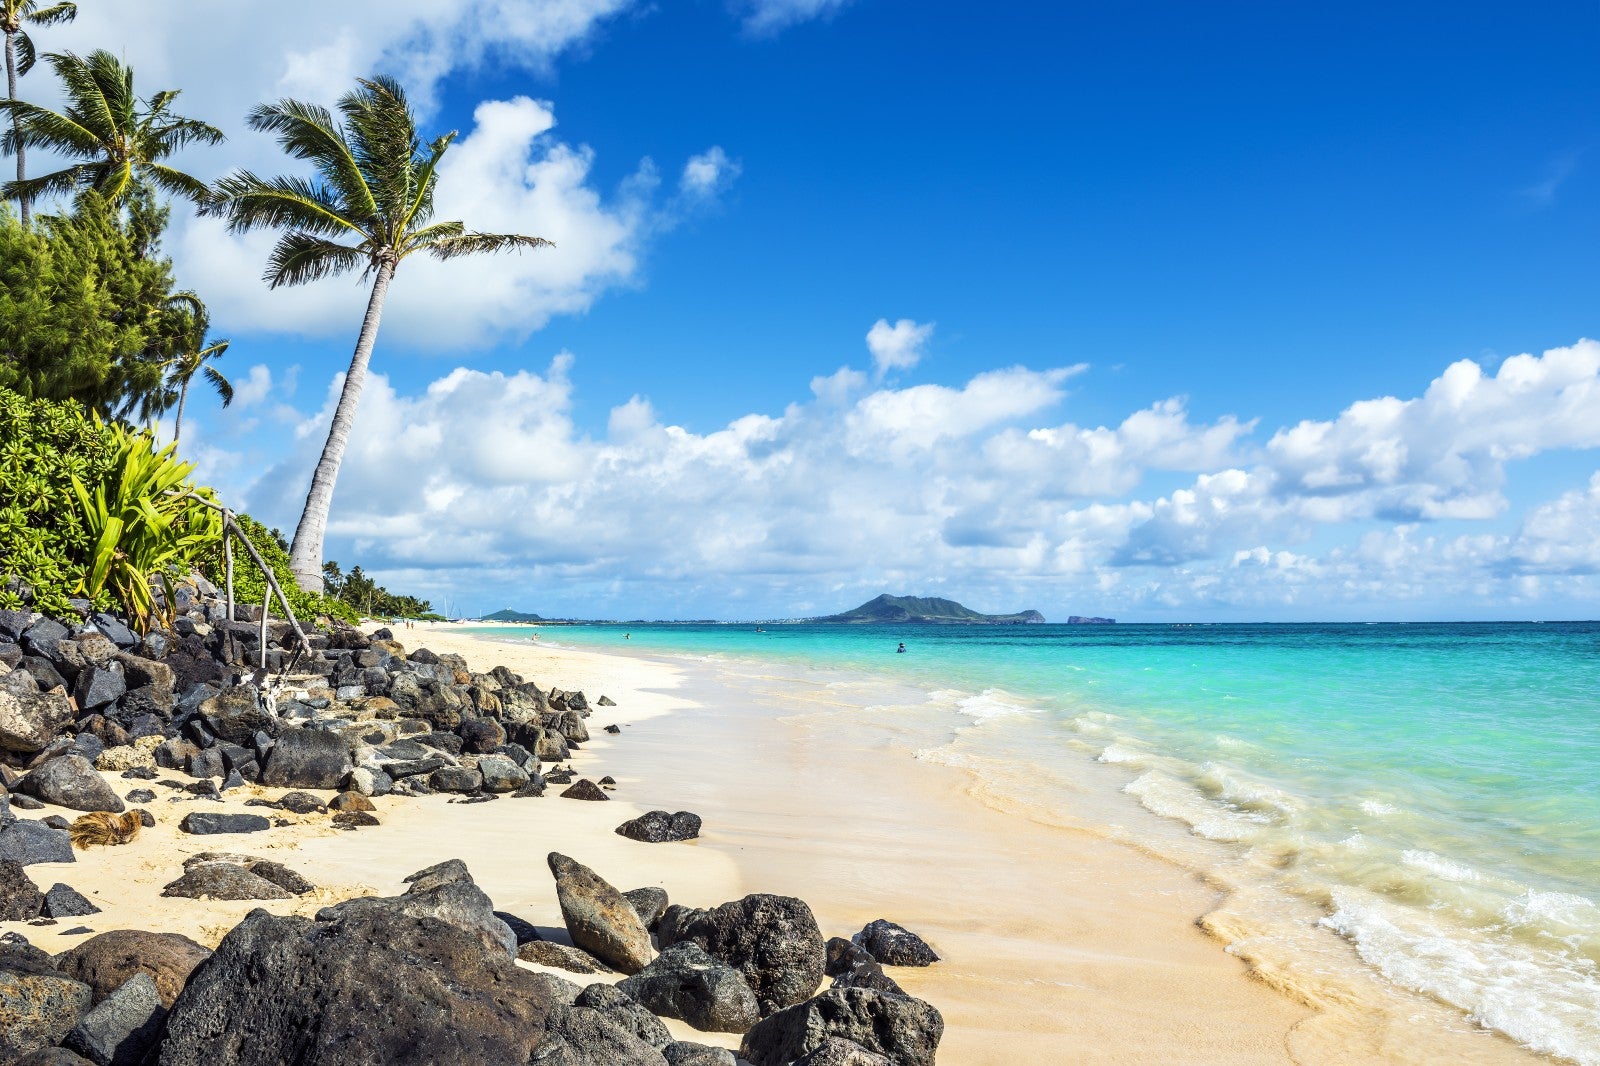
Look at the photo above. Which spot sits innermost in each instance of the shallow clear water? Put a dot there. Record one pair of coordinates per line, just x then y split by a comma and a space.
1433, 788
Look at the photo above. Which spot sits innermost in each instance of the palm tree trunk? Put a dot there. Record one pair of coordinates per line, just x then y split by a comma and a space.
305, 556
16, 123
177, 422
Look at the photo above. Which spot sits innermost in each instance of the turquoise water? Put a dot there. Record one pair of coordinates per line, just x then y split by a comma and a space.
1434, 789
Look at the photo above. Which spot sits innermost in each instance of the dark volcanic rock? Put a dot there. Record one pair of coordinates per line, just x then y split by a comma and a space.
903, 1029
686, 983
122, 1027
64, 901
354, 820
561, 956
20, 898
772, 940
455, 779
446, 892
203, 823
650, 903
106, 961
836, 1051
843, 955
38, 1003
98, 686
27, 842
623, 1010
599, 919
868, 975
659, 827
500, 774
895, 945
307, 758
301, 803
223, 880
350, 801
688, 1053
282, 876
481, 735
53, 1056
581, 1036
522, 930
30, 720
368, 984
72, 782
236, 714
584, 789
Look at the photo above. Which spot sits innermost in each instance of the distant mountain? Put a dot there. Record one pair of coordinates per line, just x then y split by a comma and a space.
1089, 620
930, 610
508, 615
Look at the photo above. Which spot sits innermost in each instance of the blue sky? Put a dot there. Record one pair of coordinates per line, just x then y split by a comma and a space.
1233, 218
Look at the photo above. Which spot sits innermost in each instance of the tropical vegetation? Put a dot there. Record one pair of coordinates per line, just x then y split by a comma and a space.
370, 206
117, 140
99, 342
20, 57
145, 523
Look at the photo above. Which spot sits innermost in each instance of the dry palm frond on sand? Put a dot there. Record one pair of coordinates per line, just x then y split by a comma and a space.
102, 828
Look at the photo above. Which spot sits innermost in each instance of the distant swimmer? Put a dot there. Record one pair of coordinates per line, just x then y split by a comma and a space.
627, 636
901, 649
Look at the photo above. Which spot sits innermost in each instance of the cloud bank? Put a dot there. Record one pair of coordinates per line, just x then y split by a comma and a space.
982, 489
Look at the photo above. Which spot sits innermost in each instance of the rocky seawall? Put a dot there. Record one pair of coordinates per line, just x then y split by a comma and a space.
129, 732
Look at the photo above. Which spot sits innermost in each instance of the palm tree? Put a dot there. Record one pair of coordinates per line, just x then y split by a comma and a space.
368, 206
195, 352
119, 140
13, 13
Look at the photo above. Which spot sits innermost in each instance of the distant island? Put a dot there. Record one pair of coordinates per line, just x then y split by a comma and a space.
508, 615
926, 610
1089, 620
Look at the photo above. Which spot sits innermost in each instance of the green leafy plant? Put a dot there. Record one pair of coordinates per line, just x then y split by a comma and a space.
44, 544
143, 524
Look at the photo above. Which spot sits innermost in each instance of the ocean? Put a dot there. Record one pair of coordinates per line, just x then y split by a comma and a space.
1429, 793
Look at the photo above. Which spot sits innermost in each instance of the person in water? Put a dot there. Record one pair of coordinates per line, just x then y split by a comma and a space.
901, 648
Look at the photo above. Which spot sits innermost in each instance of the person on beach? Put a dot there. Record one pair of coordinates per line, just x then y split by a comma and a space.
901, 649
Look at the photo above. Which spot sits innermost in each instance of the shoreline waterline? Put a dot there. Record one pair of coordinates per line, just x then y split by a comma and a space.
885, 738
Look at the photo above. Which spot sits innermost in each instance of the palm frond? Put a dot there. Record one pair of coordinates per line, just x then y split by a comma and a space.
39, 127
417, 240
100, 88
26, 57
54, 15
307, 131
283, 202
300, 257
422, 203
176, 182
58, 183
483, 244
383, 139
223, 386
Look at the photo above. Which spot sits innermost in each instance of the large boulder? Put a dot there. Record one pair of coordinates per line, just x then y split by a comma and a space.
224, 880
20, 898
895, 945
38, 1003
307, 758
107, 961
904, 1030
368, 985
772, 940
623, 1010
659, 827
26, 841
836, 1051
122, 1027
236, 715
688, 1053
71, 781
561, 956
685, 983
600, 919
582, 1036
500, 774
31, 720
209, 823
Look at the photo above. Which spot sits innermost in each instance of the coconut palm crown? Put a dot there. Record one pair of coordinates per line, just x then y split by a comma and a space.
118, 139
369, 204
20, 55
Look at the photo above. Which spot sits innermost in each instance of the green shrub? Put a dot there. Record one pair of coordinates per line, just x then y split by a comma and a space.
144, 525
250, 587
43, 540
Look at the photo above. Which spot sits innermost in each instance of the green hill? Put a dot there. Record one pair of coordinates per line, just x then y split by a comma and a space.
508, 615
931, 610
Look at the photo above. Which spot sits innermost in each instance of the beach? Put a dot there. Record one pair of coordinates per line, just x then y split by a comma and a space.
1060, 941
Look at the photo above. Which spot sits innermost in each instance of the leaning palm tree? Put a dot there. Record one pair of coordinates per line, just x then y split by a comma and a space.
13, 13
195, 351
118, 140
369, 206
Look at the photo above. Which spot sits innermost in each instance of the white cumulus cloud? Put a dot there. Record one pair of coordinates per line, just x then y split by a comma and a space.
897, 347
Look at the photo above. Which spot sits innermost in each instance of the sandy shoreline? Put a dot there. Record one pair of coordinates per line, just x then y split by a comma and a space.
1057, 945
